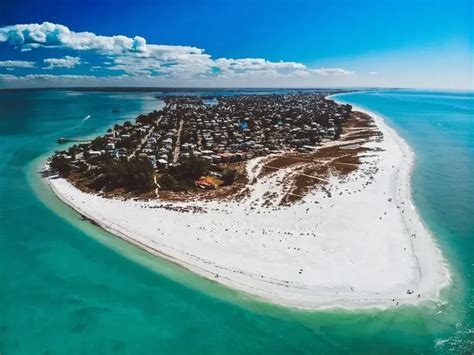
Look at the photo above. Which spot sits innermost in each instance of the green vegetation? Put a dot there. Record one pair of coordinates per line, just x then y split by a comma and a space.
149, 118
99, 143
169, 183
191, 168
183, 176
61, 165
228, 176
133, 175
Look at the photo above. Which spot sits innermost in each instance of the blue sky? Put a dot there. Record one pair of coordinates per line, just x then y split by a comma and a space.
342, 43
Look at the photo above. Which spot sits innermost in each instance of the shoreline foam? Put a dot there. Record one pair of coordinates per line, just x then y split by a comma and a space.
341, 251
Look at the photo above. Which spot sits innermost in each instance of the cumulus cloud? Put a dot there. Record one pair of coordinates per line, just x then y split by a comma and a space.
54, 35
53, 80
16, 64
44, 77
66, 62
7, 77
257, 67
50, 35
255, 64
332, 72
135, 57
46, 80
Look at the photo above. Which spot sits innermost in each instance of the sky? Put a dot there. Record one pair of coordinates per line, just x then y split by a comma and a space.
237, 43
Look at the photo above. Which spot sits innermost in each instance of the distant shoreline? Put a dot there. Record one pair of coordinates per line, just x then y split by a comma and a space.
372, 263
184, 89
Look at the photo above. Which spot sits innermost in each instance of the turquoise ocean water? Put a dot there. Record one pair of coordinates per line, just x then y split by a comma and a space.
66, 287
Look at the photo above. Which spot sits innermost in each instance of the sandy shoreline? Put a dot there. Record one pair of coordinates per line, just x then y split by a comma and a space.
365, 246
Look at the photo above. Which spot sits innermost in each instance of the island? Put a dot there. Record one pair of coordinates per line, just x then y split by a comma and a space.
293, 198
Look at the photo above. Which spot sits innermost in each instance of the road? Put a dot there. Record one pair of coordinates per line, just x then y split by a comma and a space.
177, 146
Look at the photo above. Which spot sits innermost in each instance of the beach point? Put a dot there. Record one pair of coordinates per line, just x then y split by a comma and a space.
355, 241
236, 177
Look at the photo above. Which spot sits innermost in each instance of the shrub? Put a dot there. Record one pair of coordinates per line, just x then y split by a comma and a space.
190, 169
61, 165
228, 176
135, 174
167, 182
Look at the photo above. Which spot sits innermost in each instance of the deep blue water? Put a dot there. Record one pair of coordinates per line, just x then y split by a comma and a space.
66, 287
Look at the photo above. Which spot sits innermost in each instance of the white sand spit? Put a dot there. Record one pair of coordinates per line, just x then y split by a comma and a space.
365, 246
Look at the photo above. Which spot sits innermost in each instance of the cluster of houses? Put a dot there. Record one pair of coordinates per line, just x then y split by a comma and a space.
241, 127
229, 129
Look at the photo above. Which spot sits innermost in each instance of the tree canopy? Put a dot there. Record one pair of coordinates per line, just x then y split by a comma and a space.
134, 174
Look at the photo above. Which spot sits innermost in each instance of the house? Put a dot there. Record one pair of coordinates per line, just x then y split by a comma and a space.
216, 158
94, 153
205, 182
162, 163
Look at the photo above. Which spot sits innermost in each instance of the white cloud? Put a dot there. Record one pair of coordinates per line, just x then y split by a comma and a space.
16, 64
137, 58
45, 80
258, 67
43, 77
53, 35
372, 73
66, 62
332, 72
256, 64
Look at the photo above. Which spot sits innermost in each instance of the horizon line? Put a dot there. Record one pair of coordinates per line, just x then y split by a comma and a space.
153, 88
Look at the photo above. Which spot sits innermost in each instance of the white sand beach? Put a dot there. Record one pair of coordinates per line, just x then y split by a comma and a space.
364, 246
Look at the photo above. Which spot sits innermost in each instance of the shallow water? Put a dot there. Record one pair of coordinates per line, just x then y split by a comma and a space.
68, 287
